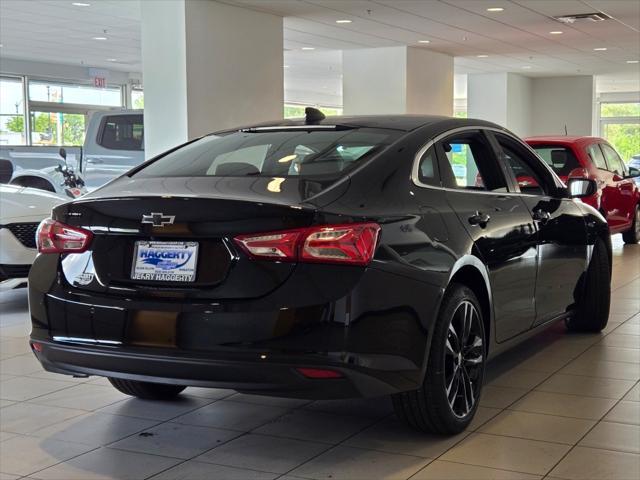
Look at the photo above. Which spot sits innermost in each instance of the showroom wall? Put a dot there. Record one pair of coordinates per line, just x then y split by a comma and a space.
563, 101
533, 106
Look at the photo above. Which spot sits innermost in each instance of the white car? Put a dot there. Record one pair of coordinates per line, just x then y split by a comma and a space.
21, 211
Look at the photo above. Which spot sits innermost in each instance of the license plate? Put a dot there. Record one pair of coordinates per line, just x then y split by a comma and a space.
165, 261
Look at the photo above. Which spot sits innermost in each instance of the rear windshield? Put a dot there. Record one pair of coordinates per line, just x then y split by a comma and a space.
561, 159
272, 153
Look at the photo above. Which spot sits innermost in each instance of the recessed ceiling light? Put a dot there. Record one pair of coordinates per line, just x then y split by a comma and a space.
308, 48
600, 49
556, 32
495, 9
424, 41
527, 67
482, 56
344, 21
81, 4
112, 59
628, 61
99, 38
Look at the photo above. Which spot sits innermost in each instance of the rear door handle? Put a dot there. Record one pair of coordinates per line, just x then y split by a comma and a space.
480, 219
541, 215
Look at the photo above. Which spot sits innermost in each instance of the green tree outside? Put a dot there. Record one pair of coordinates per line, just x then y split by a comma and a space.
45, 123
625, 137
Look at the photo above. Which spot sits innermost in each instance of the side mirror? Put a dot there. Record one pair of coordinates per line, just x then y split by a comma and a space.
581, 187
633, 172
63, 153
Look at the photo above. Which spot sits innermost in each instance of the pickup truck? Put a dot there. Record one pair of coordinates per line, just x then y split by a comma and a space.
114, 143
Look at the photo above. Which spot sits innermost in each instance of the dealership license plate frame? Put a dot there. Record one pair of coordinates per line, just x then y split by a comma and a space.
154, 273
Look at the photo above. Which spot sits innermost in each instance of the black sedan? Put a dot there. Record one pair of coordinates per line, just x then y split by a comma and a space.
321, 258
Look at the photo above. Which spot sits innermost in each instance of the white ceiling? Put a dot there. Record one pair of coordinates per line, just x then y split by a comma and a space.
57, 31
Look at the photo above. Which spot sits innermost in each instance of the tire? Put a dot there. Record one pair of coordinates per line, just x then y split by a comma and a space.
633, 234
592, 313
147, 390
434, 407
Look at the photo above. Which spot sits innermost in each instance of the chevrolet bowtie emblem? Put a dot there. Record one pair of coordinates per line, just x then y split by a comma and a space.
158, 219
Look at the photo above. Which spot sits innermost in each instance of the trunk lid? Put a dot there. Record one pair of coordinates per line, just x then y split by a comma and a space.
207, 212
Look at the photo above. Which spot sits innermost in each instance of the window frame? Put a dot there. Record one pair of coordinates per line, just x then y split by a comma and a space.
558, 189
596, 146
540, 167
602, 146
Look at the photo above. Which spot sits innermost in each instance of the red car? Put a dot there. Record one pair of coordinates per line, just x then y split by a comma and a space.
618, 195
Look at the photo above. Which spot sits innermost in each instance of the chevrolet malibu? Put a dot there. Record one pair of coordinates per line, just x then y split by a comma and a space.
321, 258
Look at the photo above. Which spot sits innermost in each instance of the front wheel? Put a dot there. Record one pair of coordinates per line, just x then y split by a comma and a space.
448, 399
592, 313
633, 234
147, 390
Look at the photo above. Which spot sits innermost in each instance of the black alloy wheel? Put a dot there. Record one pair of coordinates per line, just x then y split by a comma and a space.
448, 399
464, 359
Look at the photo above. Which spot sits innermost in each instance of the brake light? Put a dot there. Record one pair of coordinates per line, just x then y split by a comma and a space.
56, 237
318, 373
352, 244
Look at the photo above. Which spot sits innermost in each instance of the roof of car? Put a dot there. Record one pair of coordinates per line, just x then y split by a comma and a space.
564, 139
397, 122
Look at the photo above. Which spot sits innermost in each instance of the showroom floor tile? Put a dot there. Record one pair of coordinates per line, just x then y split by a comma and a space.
560, 406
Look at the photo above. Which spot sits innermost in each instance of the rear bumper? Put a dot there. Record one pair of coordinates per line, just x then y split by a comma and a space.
376, 335
246, 373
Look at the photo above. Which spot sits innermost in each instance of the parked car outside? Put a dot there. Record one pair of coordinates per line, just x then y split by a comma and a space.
618, 195
114, 143
634, 162
321, 258
21, 211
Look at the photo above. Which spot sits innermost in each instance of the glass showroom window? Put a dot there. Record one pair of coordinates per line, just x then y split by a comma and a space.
75, 94
57, 128
58, 111
12, 127
620, 125
295, 110
137, 98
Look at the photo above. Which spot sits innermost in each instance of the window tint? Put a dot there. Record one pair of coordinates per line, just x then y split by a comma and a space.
613, 159
560, 159
522, 164
122, 132
272, 153
595, 154
428, 168
470, 163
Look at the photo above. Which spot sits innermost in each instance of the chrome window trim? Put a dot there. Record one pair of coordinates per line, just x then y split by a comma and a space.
415, 171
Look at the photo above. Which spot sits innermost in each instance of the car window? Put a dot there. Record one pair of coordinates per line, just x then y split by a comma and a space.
122, 132
595, 154
521, 163
428, 168
469, 163
561, 159
272, 153
613, 160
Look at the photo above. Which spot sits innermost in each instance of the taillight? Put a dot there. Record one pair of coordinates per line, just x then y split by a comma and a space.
352, 244
56, 237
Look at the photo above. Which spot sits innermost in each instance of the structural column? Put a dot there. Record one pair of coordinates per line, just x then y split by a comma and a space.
396, 80
207, 66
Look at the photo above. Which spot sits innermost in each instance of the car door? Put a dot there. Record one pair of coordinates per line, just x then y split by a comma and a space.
561, 230
622, 200
498, 222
